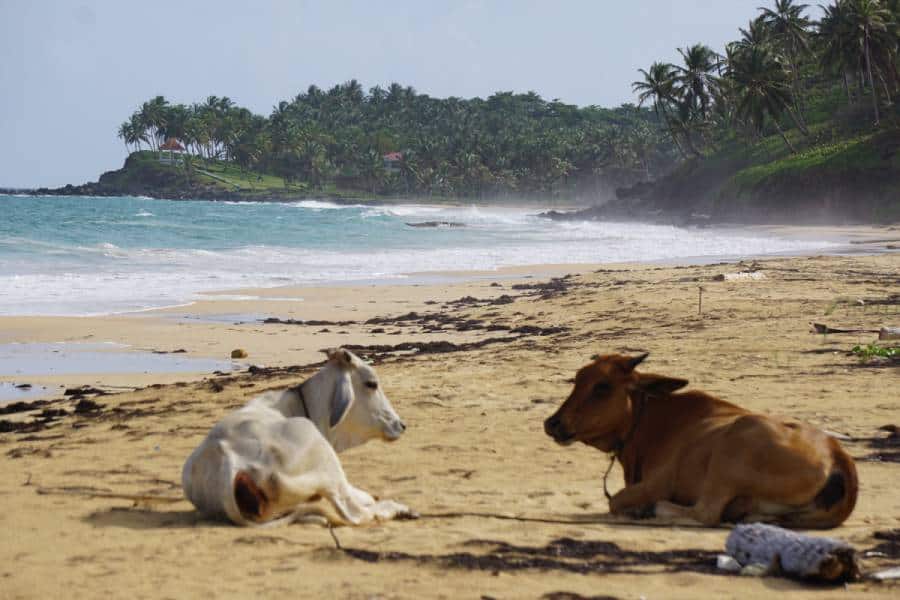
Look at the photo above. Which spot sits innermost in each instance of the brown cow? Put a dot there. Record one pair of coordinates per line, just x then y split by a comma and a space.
691, 455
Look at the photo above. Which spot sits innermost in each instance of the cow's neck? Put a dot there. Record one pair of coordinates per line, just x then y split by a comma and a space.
628, 449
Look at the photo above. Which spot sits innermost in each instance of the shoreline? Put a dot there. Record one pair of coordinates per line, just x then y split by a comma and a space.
243, 312
227, 319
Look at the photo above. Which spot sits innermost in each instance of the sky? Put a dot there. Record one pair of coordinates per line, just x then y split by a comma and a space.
72, 71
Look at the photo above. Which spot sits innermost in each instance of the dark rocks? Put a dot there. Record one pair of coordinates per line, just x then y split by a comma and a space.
435, 224
593, 213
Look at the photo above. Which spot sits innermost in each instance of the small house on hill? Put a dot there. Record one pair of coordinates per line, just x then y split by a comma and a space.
170, 151
392, 162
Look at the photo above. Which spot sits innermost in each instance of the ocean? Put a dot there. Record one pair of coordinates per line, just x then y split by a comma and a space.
94, 256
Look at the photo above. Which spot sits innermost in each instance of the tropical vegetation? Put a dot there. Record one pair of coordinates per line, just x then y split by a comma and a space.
764, 81
507, 143
796, 115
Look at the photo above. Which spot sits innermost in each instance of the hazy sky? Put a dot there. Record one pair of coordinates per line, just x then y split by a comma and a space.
71, 72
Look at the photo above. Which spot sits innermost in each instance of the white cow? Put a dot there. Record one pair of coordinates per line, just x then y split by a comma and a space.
272, 460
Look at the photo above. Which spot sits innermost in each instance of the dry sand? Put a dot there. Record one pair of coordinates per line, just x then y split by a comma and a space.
474, 448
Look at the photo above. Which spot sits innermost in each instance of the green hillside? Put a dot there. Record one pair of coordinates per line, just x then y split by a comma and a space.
796, 120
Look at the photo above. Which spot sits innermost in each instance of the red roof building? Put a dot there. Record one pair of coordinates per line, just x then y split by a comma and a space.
172, 145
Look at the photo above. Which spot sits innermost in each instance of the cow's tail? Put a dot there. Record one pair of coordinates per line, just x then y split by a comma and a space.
836, 499
251, 500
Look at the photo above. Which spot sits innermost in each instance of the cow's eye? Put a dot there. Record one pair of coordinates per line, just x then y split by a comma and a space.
601, 389
372, 385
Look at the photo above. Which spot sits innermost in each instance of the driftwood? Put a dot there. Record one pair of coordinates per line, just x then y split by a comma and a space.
767, 549
885, 333
822, 328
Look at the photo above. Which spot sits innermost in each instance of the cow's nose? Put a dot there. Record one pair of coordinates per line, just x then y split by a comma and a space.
551, 426
402, 425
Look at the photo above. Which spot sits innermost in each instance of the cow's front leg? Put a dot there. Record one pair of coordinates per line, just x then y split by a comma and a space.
706, 511
637, 500
383, 510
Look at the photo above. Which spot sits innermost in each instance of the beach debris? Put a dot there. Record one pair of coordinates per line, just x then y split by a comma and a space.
84, 390
539, 331
888, 448
23, 386
472, 300
740, 276
778, 551
889, 546
889, 333
887, 574
557, 286
239, 353
825, 329
21, 406
86, 405
309, 322
562, 554
727, 563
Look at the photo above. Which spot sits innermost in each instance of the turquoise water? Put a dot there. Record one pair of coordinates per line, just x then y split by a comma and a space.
84, 255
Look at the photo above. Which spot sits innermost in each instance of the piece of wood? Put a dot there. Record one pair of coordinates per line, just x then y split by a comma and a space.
793, 554
822, 328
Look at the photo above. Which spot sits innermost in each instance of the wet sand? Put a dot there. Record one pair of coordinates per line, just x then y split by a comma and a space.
93, 497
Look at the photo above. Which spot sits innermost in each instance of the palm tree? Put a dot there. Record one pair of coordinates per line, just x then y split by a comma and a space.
757, 34
696, 77
153, 118
836, 37
789, 27
762, 89
659, 85
871, 21
696, 87
127, 133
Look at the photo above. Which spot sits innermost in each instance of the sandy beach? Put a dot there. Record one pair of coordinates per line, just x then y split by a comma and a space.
93, 499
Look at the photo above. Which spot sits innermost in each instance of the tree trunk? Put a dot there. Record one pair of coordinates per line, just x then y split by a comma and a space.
795, 84
784, 137
672, 132
690, 142
872, 81
846, 86
887, 91
799, 125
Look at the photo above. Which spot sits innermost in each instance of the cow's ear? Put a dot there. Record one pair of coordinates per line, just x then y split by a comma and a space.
657, 385
341, 400
634, 361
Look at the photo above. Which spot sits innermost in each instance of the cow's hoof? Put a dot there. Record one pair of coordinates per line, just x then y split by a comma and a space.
642, 512
407, 515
